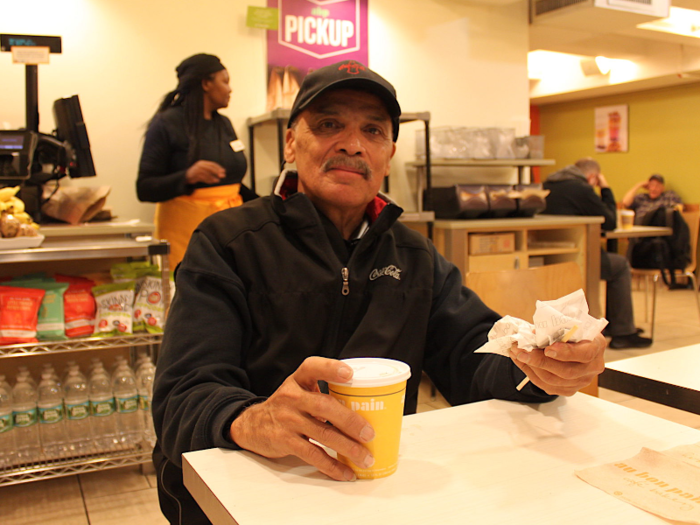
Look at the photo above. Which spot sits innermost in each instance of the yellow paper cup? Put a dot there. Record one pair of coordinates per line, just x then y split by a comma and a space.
377, 392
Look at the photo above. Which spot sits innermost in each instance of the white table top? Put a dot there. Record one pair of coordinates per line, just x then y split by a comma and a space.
493, 462
678, 366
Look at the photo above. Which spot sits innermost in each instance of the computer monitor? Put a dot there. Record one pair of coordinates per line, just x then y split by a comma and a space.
70, 127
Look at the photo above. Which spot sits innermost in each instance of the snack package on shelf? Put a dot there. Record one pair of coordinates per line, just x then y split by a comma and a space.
115, 304
148, 307
79, 305
19, 314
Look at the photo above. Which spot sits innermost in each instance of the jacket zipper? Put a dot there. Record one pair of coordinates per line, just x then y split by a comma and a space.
345, 274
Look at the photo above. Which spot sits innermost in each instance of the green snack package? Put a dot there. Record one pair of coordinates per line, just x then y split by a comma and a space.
133, 271
114, 309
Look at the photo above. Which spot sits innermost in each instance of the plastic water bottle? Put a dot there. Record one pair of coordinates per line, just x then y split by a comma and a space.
94, 363
142, 359
4, 384
7, 435
126, 396
52, 427
48, 367
103, 417
69, 366
75, 390
24, 413
144, 380
24, 370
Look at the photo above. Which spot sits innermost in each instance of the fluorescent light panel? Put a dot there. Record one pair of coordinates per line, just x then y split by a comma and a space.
685, 22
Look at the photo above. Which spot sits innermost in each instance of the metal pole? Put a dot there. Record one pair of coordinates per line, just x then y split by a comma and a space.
32, 89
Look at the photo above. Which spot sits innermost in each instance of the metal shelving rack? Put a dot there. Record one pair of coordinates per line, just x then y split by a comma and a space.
62, 248
75, 465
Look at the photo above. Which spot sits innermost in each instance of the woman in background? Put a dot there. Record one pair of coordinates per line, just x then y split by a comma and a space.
192, 162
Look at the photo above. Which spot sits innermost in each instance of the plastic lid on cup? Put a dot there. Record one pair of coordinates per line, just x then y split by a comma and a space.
369, 372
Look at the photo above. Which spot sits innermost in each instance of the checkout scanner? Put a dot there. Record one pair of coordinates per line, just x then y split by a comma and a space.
30, 156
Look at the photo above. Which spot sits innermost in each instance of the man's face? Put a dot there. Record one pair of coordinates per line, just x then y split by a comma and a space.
655, 188
342, 145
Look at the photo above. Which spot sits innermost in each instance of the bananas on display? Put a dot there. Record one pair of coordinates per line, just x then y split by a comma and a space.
14, 221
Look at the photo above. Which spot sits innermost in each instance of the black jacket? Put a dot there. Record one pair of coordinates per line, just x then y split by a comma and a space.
260, 289
570, 194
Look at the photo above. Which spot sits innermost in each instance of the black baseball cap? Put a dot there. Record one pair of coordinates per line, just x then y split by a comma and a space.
348, 74
657, 178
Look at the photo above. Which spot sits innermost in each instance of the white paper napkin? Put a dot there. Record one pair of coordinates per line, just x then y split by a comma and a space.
553, 320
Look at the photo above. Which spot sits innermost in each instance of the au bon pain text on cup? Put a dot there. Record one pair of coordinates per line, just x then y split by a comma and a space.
377, 392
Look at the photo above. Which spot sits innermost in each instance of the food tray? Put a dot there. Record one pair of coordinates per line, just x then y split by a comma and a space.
19, 243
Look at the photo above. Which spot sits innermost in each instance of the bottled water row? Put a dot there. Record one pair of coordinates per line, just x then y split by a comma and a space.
78, 414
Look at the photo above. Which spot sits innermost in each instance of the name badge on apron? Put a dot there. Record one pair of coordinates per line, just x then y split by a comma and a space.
237, 145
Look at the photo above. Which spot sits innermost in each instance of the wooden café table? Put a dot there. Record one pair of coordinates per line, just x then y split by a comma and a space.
670, 378
493, 462
634, 231
638, 231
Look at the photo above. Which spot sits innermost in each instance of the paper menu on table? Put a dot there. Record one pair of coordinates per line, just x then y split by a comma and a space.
664, 483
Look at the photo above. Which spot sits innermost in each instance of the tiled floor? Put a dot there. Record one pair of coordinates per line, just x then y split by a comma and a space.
127, 495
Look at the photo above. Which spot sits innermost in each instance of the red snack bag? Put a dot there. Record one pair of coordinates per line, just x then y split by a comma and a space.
19, 313
78, 305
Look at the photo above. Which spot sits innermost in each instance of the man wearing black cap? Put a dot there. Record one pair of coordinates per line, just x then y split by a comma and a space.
272, 294
655, 197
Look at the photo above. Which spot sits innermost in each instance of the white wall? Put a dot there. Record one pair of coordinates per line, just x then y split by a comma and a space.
464, 62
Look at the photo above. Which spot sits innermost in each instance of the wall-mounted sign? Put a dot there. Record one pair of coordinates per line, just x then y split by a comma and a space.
7, 42
30, 55
312, 34
261, 18
611, 129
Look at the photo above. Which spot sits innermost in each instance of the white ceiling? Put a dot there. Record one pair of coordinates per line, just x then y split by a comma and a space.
595, 31
589, 31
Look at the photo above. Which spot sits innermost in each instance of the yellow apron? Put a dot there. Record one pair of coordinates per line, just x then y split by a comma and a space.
176, 219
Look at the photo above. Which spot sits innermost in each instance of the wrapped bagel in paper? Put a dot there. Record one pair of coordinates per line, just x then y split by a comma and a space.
566, 318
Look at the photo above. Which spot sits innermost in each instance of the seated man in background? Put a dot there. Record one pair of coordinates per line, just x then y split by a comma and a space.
571, 192
272, 294
655, 196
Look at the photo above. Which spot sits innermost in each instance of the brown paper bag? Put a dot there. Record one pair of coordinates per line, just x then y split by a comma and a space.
73, 204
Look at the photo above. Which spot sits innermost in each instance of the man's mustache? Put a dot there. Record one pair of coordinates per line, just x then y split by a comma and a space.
351, 163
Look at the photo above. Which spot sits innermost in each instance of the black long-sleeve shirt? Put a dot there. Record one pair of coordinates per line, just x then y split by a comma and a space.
164, 163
